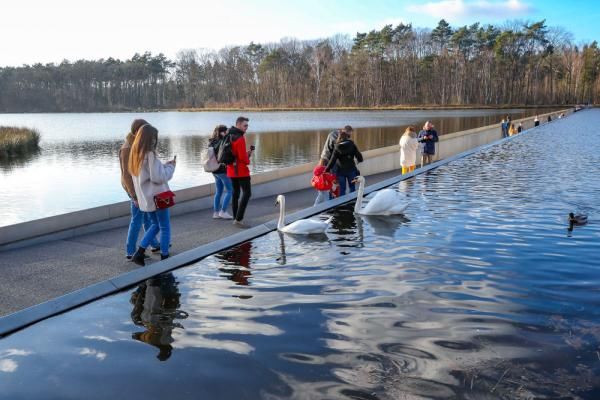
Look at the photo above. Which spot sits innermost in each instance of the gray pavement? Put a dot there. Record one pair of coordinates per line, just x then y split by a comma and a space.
35, 274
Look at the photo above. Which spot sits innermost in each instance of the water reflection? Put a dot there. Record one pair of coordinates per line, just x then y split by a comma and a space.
236, 263
156, 308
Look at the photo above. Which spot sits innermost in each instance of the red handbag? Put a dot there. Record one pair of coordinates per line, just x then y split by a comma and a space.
164, 200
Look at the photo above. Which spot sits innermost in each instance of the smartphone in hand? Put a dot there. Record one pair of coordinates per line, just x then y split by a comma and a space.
252, 148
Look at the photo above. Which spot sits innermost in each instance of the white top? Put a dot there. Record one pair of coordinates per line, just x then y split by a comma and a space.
151, 181
408, 151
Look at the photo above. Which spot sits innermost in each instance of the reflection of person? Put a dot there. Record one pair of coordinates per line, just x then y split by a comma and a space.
238, 256
150, 177
222, 181
137, 216
238, 171
429, 137
408, 150
155, 308
343, 156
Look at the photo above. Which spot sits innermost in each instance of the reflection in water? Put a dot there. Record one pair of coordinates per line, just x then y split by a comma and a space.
156, 305
236, 263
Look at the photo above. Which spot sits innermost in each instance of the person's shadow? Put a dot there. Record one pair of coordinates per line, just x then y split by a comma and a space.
156, 309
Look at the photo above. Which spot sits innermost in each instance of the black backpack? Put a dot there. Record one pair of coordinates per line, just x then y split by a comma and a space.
225, 154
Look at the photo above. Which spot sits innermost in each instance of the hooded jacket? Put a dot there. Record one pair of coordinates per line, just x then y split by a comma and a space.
239, 168
343, 156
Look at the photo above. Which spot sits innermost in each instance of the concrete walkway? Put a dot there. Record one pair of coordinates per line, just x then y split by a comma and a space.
35, 274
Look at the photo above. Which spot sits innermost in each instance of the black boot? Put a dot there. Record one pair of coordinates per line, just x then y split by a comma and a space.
139, 257
163, 257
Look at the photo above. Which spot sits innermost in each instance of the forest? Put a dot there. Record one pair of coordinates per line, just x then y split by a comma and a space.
518, 63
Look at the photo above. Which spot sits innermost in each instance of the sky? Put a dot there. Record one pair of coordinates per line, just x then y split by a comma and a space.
53, 30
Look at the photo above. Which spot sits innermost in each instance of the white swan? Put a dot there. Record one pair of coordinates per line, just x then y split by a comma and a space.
385, 202
301, 227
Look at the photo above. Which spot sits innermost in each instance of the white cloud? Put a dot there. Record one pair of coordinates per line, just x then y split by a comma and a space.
458, 9
8, 365
86, 351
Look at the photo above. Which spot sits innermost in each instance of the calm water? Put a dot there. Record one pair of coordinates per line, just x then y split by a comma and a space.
479, 292
77, 167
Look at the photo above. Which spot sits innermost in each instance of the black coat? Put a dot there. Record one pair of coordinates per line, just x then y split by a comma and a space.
343, 156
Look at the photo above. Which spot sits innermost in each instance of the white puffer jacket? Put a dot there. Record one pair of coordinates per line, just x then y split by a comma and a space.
408, 151
151, 181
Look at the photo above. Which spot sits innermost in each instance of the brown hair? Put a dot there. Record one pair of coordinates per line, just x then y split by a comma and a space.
217, 132
410, 131
342, 136
135, 125
348, 128
145, 141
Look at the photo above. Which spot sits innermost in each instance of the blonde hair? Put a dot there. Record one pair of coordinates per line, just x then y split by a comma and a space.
410, 131
512, 130
135, 126
145, 141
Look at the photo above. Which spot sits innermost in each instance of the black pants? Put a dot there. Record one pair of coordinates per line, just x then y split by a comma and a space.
239, 207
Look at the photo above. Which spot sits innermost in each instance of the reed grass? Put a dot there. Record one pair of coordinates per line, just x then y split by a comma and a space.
15, 142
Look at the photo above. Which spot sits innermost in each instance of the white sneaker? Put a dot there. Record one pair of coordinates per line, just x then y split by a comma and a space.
216, 215
225, 215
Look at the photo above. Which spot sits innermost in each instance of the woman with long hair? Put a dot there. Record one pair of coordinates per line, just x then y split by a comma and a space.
138, 217
222, 181
408, 150
150, 177
344, 153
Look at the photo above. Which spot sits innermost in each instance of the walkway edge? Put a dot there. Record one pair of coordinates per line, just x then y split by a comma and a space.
29, 316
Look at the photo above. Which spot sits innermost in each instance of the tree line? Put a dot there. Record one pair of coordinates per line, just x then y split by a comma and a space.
517, 63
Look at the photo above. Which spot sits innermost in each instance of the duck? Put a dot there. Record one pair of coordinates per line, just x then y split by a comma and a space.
300, 227
577, 219
385, 202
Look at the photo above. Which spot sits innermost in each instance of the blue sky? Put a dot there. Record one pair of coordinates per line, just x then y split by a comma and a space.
50, 31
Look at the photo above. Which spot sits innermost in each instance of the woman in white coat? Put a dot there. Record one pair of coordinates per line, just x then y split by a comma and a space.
150, 177
408, 150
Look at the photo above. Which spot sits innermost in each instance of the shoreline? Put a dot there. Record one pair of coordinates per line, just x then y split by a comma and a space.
426, 107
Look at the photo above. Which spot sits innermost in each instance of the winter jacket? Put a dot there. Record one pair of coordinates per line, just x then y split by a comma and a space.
408, 150
126, 180
330, 144
326, 182
429, 144
152, 180
215, 144
343, 156
239, 168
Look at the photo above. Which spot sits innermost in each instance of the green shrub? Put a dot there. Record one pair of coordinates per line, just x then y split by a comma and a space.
16, 142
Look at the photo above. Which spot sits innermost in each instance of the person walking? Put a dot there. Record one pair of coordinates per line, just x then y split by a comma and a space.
222, 181
408, 150
138, 217
342, 158
238, 171
322, 181
512, 130
536, 121
429, 137
150, 178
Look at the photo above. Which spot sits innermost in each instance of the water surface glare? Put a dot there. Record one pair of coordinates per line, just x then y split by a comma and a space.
78, 167
478, 292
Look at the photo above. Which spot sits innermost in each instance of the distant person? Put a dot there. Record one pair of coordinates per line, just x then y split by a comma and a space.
408, 150
222, 181
549, 118
512, 130
332, 140
536, 121
344, 154
520, 127
138, 217
150, 178
238, 171
561, 115
429, 137
322, 181
504, 128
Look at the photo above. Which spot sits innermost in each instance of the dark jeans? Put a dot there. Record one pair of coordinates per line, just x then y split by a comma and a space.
239, 207
343, 176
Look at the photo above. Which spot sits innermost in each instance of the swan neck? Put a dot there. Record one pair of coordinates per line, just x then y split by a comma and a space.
359, 196
281, 222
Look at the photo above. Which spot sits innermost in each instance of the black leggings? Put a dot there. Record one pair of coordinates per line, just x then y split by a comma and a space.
244, 185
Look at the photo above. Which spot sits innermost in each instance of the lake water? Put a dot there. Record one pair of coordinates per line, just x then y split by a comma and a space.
78, 168
478, 292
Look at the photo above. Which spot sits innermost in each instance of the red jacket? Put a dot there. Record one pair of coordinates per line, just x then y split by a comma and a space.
239, 169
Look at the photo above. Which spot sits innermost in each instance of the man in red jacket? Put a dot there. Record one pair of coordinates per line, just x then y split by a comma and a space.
238, 171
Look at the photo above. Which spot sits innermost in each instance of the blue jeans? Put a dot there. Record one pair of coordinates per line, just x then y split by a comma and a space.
137, 218
322, 195
160, 222
342, 176
222, 182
